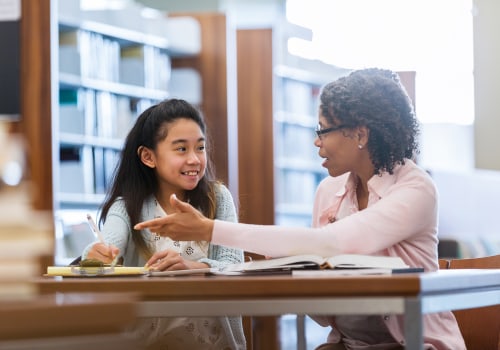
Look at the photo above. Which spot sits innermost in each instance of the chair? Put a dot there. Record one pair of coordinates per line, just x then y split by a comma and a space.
443, 263
248, 330
480, 327
449, 248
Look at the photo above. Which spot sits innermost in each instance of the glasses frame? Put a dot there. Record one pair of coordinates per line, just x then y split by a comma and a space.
320, 132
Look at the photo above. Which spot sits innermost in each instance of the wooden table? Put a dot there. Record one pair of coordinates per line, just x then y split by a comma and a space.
67, 321
411, 295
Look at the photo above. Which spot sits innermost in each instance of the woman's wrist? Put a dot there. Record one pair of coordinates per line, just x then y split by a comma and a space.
210, 229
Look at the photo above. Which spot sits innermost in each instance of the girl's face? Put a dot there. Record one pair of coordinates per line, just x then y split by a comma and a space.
180, 159
339, 148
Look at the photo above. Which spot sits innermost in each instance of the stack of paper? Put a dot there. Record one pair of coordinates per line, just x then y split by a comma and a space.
78, 271
25, 237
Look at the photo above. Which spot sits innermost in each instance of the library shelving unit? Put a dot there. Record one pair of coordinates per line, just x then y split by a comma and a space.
109, 69
297, 164
106, 67
76, 106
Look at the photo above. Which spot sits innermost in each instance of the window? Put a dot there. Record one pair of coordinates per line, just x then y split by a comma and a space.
431, 37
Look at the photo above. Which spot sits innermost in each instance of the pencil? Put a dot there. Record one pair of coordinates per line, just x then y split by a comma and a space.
94, 228
99, 235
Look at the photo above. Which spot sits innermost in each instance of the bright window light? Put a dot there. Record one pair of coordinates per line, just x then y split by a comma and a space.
94, 5
431, 37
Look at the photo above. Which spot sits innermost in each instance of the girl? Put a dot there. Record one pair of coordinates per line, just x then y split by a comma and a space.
165, 154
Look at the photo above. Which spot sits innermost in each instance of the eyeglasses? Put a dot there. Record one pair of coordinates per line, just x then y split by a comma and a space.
320, 132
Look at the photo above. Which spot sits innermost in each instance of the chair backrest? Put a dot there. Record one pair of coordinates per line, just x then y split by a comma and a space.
248, 331
443, 263
480, 327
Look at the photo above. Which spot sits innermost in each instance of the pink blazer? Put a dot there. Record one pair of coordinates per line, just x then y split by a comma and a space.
400, 220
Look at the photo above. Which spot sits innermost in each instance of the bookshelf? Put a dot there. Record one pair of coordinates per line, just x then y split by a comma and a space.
108, 69
193, 42
297, 165
85, 78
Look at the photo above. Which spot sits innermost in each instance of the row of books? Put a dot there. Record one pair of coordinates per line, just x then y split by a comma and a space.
298, 97
86, 169
92, 125
98, 113
145, 66
296, 187
92, 55
295, 141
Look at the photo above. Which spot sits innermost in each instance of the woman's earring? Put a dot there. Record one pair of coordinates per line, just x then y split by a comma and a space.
360, 146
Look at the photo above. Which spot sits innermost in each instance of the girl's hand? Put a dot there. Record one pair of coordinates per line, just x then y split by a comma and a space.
103, 252
171, 260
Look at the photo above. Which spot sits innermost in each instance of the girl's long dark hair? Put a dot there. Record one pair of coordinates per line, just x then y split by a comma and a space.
134, 182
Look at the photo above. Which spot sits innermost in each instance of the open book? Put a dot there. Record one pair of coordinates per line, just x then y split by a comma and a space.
344, 261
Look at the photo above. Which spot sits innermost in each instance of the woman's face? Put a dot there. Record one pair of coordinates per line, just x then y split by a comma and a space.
180, 159
338, 148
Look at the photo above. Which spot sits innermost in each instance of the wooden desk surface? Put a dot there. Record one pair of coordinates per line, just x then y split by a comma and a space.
411, 295
255, 287
62, 315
